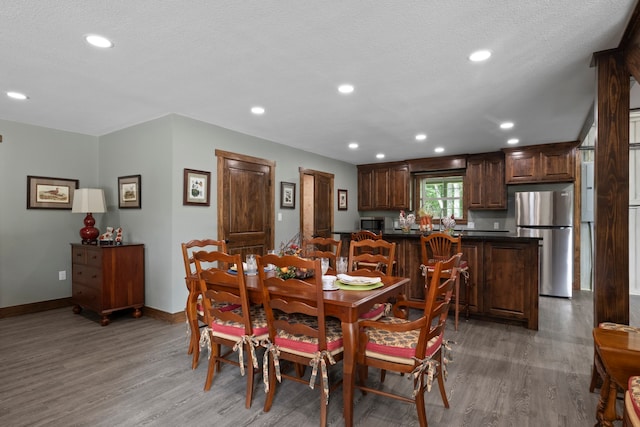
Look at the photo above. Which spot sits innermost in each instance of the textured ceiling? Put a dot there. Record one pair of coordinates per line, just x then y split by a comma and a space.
213, 60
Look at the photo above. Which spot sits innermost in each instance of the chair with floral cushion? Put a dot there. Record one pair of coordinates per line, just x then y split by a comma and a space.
231, 320
378, 255
439, 247
323, 247
299, 331
193, 309
631, 414
372, 258
415, 347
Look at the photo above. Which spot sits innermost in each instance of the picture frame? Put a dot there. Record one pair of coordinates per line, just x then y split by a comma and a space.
343, 200
50, 193
130, 192
197, 188
287, 195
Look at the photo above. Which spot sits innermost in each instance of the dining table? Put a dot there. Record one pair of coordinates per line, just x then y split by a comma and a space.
347, 306
617, 358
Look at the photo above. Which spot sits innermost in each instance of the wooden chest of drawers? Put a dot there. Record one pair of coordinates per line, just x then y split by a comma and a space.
107, 279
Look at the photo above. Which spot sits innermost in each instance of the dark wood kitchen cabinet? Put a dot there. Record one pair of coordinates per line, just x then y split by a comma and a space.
541, 163
383, 186
107, 279
485, 186
511, 281
503, 275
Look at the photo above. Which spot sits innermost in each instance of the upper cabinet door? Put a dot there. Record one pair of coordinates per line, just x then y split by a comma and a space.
541, 163
383, 186
485, 186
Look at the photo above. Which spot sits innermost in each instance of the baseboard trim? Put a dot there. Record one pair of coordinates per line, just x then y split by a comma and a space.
34, 307
178, 317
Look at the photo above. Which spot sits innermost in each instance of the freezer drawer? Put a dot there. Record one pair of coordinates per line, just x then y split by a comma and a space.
556, 259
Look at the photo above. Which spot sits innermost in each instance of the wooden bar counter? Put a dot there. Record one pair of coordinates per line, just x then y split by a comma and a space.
503, 272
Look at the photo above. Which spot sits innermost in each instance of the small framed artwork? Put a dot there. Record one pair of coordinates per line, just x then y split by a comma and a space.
129, 192
342, 200
287, 195
196, 188
50, 193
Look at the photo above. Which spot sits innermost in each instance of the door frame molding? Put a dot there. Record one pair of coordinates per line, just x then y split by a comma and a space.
314, 173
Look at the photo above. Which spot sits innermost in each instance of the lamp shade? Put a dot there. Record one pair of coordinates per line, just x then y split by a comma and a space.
88, 200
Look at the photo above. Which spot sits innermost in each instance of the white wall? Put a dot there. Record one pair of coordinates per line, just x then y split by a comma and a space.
34, 243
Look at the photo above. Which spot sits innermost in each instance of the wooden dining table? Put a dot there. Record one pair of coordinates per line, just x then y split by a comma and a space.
617, 358
347, 306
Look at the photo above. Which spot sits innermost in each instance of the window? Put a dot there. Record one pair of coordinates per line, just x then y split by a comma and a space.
442, 195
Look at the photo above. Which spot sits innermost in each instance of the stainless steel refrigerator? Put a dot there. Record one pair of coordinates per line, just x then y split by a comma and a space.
549, 214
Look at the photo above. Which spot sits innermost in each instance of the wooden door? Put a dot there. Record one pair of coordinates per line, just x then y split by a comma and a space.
245, 203
316, 196
323, 205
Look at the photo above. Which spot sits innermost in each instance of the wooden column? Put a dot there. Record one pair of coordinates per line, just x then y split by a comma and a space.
611, 265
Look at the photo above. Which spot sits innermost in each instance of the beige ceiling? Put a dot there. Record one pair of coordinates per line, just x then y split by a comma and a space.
213, 60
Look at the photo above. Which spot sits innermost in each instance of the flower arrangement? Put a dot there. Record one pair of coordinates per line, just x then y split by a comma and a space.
449, 223
292, 247
426, 218
406, 221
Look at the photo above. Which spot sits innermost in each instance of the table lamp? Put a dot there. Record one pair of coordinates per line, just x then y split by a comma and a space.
89, 201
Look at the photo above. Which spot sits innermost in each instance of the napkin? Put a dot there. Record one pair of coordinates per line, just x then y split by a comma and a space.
357, 280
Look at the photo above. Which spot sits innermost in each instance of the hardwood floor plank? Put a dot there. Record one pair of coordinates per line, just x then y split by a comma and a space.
61, 369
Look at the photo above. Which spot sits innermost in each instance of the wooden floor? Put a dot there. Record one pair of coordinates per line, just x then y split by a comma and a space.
61, 369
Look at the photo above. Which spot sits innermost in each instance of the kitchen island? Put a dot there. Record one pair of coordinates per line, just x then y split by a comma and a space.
503, 272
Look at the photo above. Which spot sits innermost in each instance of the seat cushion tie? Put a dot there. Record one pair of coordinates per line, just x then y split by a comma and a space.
319, 356
239, 347
428, 365
275, 352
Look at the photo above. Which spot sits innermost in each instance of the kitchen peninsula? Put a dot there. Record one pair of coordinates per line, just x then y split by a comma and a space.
503, 272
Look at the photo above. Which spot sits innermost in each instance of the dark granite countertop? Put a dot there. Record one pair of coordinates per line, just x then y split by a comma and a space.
478, 235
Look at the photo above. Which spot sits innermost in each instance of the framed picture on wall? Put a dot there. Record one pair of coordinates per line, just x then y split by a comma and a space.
342, 200
130, 192
197, 188
50, 193
287, 195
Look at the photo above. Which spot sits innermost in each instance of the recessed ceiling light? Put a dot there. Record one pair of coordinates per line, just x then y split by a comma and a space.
421, 137
506, 125
98, 41
17, 95
480, 55
380, 156
257, 110
345, 88
513, 141
353, 145
439, 150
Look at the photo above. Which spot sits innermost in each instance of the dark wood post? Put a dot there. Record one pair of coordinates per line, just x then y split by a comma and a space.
611, 265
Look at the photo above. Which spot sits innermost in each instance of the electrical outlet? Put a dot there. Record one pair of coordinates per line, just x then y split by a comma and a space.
279, 216
471, 224
496, 225
62, 275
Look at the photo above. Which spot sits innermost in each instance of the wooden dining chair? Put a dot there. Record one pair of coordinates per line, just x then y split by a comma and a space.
299, 331
231, 320
413, 347
372, 258
193, 309
378, 255
438, 247
323, 247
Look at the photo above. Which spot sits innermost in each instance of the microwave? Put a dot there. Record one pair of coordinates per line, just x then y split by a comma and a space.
372, 223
